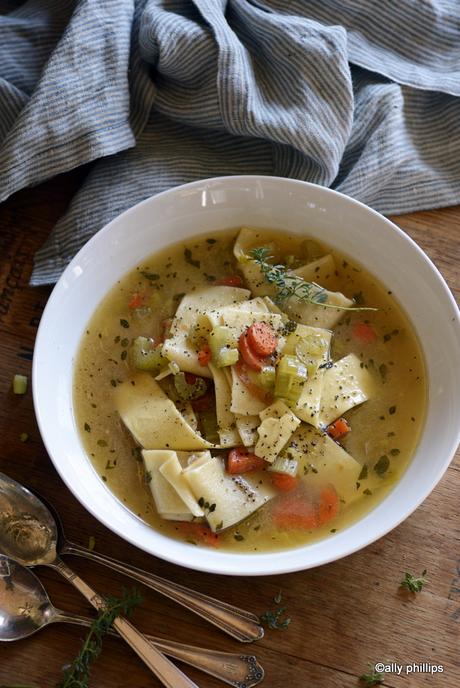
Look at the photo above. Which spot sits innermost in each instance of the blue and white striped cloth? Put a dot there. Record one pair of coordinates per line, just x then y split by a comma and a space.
359, 95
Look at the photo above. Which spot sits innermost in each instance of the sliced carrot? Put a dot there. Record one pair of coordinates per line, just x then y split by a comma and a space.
204, 355
239, 460
297, 510
284, 482
230, 281
198, 533
364, 332
338, 429
262, 339
328, 505
294, 511
242, 371
137, 299
250, 358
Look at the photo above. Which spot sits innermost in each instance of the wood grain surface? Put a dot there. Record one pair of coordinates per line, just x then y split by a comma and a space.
344, 615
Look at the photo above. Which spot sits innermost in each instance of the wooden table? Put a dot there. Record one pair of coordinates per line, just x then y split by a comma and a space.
344, 615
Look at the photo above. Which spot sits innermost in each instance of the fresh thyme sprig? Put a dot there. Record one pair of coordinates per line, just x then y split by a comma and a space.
373, 678
76, 675
413, 583
271, 618
288, 285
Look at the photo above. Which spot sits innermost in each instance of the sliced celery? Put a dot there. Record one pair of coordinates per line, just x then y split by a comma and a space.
145, 357
265, 378
20, 384
291, 375
223, 345
209, 425
186, 391
284, 465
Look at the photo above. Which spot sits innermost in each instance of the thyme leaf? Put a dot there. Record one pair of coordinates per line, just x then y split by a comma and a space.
373, 678
76, 675
288, 285
413, 583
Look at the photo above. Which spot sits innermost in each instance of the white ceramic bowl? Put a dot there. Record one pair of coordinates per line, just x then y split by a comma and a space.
221, 203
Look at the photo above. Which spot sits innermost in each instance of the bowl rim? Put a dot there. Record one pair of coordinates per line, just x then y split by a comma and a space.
264, 558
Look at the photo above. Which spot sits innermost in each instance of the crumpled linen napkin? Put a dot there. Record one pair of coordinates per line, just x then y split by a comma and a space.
362, 96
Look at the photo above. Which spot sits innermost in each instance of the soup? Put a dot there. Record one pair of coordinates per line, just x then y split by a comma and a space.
250, 390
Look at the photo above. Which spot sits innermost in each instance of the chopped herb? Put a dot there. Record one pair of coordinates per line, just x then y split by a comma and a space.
201, 502
123, 355
137, 453
87, 427
219, 525
124, 323
109, 465
413, 583
373, 678
76, 675
212, 508
91, 543
23, 436
148, 477
211, 241
394, 452
363, 473
367, 491
392, 410
271, 619
104, 478
102, 443
151, 276
333, 530
117, 339
288, 285
113, 383
288, 327
383, 370
382, 465
189, 259
386, 337
124, 342
238, 537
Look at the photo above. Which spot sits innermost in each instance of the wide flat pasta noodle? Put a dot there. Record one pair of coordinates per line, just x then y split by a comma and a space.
226, 421
179, 347
152, 417
345, 385
324, 462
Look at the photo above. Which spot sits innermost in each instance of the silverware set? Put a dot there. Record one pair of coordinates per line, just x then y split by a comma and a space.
31, 534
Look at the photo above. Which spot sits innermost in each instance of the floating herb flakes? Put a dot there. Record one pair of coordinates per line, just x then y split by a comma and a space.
382, 465
383, 370
363, 473
124, 323
392, 410
211, 241
151, 276
87, 427
148, 477
101, 443
189, 258
395, 451
238, 537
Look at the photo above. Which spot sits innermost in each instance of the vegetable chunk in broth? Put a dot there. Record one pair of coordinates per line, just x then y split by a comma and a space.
250, 390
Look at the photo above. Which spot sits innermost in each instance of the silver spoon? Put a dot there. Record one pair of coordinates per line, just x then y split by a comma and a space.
28, 534
237, 622
25, 608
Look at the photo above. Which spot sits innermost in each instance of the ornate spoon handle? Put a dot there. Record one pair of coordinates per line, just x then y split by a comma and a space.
169, 675
237, 622
235, 669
